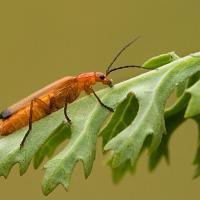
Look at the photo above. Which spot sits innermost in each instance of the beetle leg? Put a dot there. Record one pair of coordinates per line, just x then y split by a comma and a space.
29, 124
46, 110
65, 113
54, 107
99, 100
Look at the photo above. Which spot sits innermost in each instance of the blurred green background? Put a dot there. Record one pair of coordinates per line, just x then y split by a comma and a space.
41, 41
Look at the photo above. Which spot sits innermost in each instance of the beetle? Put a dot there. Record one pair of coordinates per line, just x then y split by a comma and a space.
53, 97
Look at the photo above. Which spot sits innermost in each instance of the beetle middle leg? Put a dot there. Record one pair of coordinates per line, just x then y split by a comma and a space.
46, 110
54, 107
65, 113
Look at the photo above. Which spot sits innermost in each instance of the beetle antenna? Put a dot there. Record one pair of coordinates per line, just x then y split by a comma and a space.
119, 53
127, 66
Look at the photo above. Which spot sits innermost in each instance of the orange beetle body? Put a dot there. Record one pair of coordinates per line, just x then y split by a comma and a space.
53, 97
48, 100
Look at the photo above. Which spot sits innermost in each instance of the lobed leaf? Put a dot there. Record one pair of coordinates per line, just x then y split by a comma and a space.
50, 145
122, 117
197, 156
193, 108
137, 117
152, 96
174, 117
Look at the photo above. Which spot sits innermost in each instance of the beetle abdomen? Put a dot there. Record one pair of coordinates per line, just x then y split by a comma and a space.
21, 117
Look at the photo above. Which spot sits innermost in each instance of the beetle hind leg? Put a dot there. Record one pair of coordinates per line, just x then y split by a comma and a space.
46, 109
29, 125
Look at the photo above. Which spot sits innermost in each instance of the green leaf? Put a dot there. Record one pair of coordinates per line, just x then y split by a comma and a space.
152, 95
160, 60
120, 122
119, 172
193, 108
50, 145
197, 156
150, 90
10, 153
181, 88
174, 117
122, 117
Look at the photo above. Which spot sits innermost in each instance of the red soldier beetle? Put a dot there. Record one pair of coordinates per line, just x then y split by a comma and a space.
53, 97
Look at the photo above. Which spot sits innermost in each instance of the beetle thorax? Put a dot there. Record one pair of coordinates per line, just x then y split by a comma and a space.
86, 80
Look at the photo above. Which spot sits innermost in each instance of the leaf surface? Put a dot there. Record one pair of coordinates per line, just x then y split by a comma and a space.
147, 96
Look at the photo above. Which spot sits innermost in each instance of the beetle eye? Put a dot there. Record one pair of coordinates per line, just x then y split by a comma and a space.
101, 76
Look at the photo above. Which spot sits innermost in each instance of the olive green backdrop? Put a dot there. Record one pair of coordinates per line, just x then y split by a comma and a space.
41, 41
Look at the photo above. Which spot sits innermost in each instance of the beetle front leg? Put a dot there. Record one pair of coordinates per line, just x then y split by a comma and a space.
99, 100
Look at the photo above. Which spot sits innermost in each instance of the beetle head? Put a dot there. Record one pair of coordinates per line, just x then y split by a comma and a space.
100, 77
